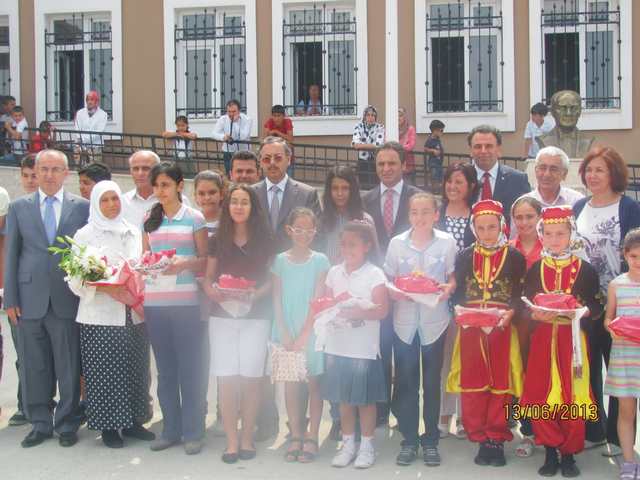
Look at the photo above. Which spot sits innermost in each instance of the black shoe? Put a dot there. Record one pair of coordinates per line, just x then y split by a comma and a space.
246, 454
407, 455
496, 456
112, 439
551, 463
139, 432
68, 439
431, 456
483, 457
568, 467
34, 438
229, 457
18, 419
336, 431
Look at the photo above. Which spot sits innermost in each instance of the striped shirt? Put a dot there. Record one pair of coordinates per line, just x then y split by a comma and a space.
177, 232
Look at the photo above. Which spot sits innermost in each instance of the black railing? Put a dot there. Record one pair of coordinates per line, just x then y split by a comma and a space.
77, 48
5, 62
319, 62
210, 63
569, 25
311, 161
453, 31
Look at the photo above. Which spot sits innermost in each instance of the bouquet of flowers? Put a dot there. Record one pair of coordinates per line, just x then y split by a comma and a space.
81, 262
237, 293
132, 294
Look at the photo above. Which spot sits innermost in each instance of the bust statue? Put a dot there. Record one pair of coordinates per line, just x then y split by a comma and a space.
566, 107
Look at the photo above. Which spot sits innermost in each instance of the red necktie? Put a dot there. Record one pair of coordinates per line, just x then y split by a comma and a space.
486, 187
387, 214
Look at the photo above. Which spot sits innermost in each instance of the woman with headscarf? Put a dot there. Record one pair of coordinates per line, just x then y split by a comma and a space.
113, 343
407, 138
368, 135
486, 368
556, 393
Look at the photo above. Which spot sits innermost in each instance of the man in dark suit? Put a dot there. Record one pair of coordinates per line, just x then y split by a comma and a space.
497, 182
278, 193
39, 302
388, 204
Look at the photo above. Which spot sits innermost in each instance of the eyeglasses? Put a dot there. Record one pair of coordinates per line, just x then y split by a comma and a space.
551, 169
303, 231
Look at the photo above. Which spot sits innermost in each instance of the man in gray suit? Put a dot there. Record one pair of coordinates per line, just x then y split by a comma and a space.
278, 193
39, 302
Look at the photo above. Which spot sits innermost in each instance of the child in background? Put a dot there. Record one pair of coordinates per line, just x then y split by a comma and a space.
525, 214
28, 178
420, 331
91, 174
209, 188
623, 375
183, 139
354, 375
279, 125
435, 154
43, 138
553, 378
17, 131
298, 277
540, 124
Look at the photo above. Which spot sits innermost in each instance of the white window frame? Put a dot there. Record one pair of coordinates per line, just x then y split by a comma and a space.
463, 122
47, 10
322, 125
9, 9
173, 11
591, 119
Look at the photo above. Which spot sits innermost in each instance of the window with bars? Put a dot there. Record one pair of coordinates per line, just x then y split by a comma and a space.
5, 57
581, 51
210, 62
78, 58
319, 60
464, 56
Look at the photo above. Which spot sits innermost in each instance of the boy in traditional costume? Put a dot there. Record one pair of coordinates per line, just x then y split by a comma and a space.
557, 394
486, 367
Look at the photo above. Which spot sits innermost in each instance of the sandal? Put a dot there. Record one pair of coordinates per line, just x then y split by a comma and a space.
628, 471
306, 456
292, 454
525, 449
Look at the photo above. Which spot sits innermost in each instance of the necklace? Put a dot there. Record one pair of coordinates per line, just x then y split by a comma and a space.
487, 265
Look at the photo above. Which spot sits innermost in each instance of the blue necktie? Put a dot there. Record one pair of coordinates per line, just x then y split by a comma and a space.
50, 219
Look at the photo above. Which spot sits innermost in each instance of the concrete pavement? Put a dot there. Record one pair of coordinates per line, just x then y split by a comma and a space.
89, 459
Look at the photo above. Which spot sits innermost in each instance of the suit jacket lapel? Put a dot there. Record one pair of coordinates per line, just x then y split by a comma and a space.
402, 206
500, 184
67, 207
35, 199
376, 210
288, 200
262, 196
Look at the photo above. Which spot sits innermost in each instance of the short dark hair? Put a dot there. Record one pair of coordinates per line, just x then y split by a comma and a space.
182, 118
278, 109
28, 161
540, 109
395, 146
44, 126
17, 109
470, 175
7, 98
96, 171
245, 155
436, 125
485, 128
233, 101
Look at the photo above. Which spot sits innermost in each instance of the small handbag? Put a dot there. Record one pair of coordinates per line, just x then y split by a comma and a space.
287, 365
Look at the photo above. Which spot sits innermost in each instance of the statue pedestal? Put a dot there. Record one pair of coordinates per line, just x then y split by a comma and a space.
573, 179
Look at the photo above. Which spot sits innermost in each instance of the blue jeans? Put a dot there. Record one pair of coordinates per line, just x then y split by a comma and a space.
407, 389
177, 335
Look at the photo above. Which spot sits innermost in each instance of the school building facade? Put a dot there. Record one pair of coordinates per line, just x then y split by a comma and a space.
464, 62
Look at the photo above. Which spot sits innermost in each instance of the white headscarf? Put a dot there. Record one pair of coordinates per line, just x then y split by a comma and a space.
97, 218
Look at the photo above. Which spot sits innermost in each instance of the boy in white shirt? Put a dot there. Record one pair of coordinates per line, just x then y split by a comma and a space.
17, 132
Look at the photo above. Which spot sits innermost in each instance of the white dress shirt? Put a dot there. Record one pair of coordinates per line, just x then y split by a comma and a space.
397, 191
91, 123
57, 205
137, 207
566, 196
240, 129
281, 185
493, 176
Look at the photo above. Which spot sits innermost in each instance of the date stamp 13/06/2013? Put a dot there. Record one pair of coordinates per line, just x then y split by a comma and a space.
563, 411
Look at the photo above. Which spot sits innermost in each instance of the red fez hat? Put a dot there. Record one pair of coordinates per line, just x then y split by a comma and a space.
487, 207
94, 95
561, 214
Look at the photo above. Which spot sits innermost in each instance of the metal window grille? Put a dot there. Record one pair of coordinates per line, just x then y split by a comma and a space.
210, 63
464, 57
5, 57
581, 51
78, 58
319, 52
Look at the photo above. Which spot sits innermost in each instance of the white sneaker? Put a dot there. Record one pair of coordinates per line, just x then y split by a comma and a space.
345, 456
366, 458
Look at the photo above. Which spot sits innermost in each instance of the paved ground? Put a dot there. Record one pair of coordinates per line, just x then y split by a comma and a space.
89, 459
